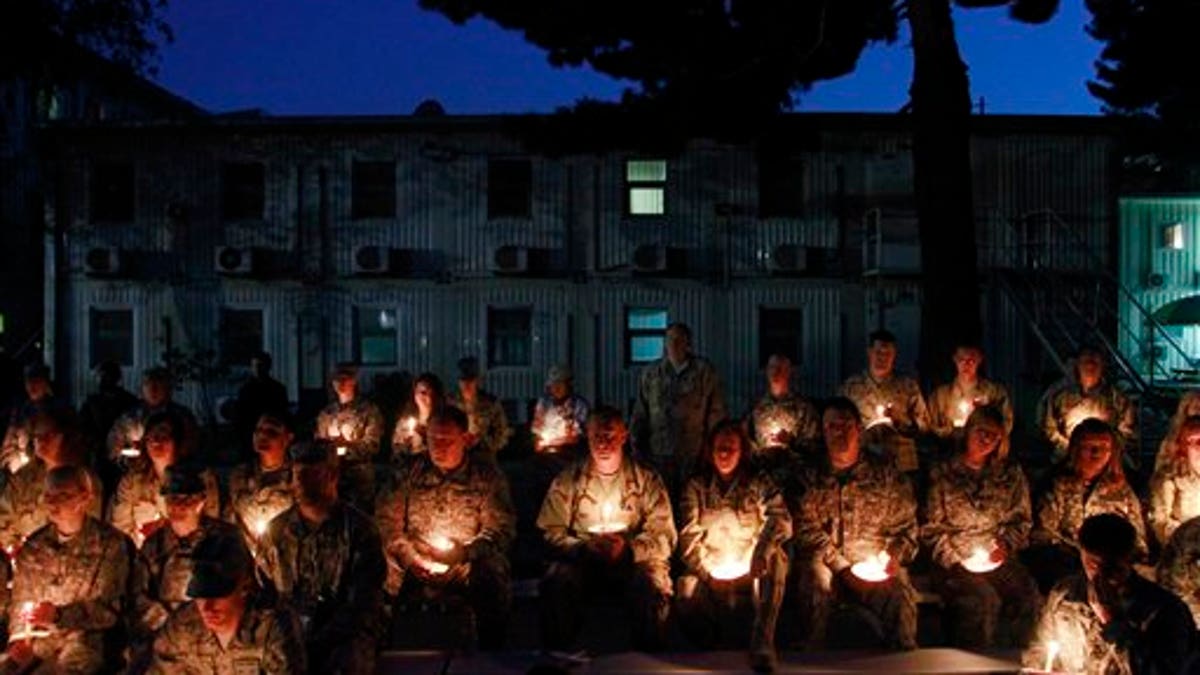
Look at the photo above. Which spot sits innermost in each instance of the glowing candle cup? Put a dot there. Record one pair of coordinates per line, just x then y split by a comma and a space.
980, 561
130, 452
441, 543
873, 569
964, 411
730, 568
260, 527
410, 425
607, 525
341, 451
882, 415
1052, 650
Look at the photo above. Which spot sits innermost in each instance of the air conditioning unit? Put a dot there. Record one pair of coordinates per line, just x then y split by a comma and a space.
1157, 280
789, 258
650, 258
371, 260
226, 409
233, 260
102, 261
511, 259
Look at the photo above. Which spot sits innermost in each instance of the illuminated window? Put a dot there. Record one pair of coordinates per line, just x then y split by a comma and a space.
780, 331
1173, 236
110, 336
645, 333
375, 334
509, 336
373, 190
111, 192
243, 190
646, 187
241, 335
510, 188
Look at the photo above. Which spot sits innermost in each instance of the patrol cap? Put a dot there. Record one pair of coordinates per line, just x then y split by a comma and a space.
313, 452
559, 372
468, 368
345, 369
37, 371
156, 374
183, 479
220, 564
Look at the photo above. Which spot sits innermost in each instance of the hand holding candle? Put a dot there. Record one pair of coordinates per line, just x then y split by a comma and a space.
982, 561
874, 569
609, 524
965, 408
1052, 649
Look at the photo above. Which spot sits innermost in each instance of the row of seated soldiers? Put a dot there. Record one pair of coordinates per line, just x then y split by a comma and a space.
182, 593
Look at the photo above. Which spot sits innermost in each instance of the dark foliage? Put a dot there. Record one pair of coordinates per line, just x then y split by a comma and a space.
127, 32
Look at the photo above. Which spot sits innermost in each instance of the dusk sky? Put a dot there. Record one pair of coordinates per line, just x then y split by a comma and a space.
385, 56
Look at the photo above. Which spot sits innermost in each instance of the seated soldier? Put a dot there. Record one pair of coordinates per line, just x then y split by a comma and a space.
448, 525
354, 425
735, 526
71, 584
857, 527
1178, 570
1175, 486
607, 524
227, 628
323, 559
262, 489
1109, 619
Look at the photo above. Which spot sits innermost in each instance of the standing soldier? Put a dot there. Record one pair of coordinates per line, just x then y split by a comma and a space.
735, 528
1086, 394
448, 525
607, 524
857, 528
227, 628
951, 404
262, 489
679, 401
559, 417
782, 419
17, 447
71, 584
978, 518
891, 405
408, 439
489, 424
125, 438
353, 425
259, 394
324, 560
105, 405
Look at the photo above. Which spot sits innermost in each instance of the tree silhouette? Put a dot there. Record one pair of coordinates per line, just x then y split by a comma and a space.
127, 32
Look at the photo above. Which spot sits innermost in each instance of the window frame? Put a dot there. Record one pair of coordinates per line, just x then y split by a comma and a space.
491, 338
357, 335
628, 186
493, 212
1173, 236
631, 333
134, 336
359, 211
228, 190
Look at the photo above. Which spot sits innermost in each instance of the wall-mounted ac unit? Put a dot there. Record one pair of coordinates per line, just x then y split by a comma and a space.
650, 258
511, 259
789, 258
371, 260
226, 409
102, 261
1157, 280
233, 260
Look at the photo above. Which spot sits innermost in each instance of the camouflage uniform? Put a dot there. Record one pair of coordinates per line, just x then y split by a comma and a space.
257, 496
560, 419
674, 412
408, 442
1179, 565
573, 504
968, 509
130, 427
1155, 635
946, 415
267, 641
1105, 402
1174, 498
470, 506
848, 518
746, 519
21, 508
331, 575
358, 427
166, 570
17, 448
791, 421
139, 502
1063, 509
87, 577
900, 400
487, 421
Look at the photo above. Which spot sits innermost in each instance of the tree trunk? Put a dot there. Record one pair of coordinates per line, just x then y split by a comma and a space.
941, 120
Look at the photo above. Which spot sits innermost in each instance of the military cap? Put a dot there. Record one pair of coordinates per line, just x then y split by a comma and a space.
220, 564
156, 374
345, 369
468, 368
181, 479
37, 371
559, 372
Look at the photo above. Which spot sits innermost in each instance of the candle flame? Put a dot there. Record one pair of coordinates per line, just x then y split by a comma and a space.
410, 424
1052, 649
607, 524
441, 543
980, 561
874, 568
130, 451
260, 527
341, 451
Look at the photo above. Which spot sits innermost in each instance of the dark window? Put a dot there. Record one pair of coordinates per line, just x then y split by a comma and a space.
509, 336
780, 331
373, 190
510, 188
111, 336
375, 335
243, 190
241, 335
112, 192
645, 187
781, 186
645, 333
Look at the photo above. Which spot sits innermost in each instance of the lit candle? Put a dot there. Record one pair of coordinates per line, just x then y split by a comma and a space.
130, 451
260, 527
607, 525
882, 415
730, 567
1052, 649
22, 460
964, 411
873, 569
441, 543
341, 451
435, 567
980, 561
410, 425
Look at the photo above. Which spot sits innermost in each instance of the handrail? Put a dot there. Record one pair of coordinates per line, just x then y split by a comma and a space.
1132, 333
1114, 353
1033, 323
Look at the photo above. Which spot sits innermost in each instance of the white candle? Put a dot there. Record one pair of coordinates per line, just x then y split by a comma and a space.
130, 451
441, 543
980, 561
607, 525
873, 569
260, 526
341, 451
1052, 649
410, 425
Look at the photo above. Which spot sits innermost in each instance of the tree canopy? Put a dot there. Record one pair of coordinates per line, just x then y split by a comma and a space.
127, 32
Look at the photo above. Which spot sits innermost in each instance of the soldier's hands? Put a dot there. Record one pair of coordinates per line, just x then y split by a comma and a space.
43, 614
148, 528
20, 652
999, 553
607, 547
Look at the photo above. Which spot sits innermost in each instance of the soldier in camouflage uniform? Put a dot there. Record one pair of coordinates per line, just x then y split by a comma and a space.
1084, 395
891, 405
17, 448
951, 404
1091, 482
447, 527
1109, 620
263, 489
56, 443
679, 401
227, 628
733, 517
165, 558
489, 424
1175, 486
354, 426
978, 503
607, 525
559, 417
124, 442
138, 508
1178, 570
324, 560
408, 438
782, 419
1189, 406
853, 510
71, 584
